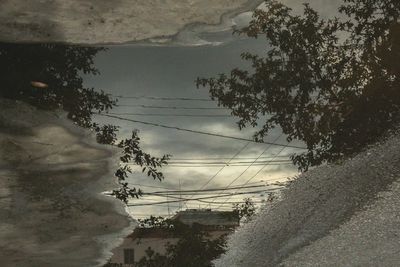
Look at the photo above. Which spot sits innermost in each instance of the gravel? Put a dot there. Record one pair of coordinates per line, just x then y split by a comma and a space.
346, 214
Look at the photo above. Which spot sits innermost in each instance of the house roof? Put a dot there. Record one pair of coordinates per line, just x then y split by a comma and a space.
206, 217
208, 220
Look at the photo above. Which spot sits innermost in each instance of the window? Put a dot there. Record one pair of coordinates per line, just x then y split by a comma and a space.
129, 256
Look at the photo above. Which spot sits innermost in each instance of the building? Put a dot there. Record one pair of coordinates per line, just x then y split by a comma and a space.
134, 246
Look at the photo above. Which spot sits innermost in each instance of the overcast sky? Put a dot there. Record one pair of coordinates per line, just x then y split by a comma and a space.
170, 71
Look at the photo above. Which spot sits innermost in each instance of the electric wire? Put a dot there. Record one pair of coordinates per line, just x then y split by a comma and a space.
226, 163
171, 107
237, 158
206, 190
164, 194
248, 167
178, 199
174, 115
195, 131
218, 165
252, 177
164, 98
174, 189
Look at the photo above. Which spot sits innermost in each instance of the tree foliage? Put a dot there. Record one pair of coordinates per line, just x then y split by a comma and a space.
194, 248
158, 222
193, 240
332, 83
244, 211
59, 69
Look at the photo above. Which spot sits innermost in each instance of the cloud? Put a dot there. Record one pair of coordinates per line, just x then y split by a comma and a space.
170, 72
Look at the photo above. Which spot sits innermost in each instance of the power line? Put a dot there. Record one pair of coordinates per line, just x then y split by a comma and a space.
165, 98
207, 190
228, 202
217, 203
240, 175
172, 107
193, 199
241, 158
200, 198
195, 131
205, 193
216, 165
189, 194
173, 115
174, 189
226, 163
282, 149
219, 164
251, 178
220, 170
164, 203
150, 186
215, 175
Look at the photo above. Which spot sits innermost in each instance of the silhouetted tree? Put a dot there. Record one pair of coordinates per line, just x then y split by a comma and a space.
153, 259
49, 76
193, 249
244, 211
60, 68
333, 84
158, 222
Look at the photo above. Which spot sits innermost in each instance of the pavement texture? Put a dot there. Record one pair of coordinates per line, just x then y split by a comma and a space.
52, 173
111, 22
346, 214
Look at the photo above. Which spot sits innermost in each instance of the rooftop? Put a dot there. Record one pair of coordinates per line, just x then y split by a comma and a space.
209, 220
206, 217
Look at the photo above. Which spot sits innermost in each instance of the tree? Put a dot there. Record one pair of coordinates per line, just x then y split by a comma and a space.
193, 249
244, 211
193, 240
59, 67
152, 259
48, 76
334, 84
